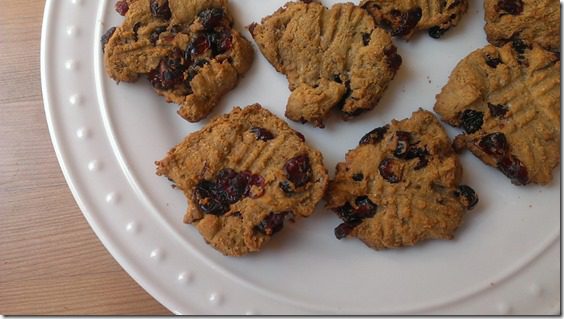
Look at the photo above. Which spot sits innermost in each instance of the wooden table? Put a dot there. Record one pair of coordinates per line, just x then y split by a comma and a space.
51, 262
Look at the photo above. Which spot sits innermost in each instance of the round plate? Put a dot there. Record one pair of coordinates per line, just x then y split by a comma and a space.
505, 258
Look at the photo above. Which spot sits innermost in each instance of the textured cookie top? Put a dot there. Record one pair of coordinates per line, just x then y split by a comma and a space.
403, 17
333, 58
400, 185
532, 21
507, 100
186, 48
243, 175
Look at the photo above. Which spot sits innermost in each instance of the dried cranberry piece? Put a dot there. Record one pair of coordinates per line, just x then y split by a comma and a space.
403, 143
358, 177
271, 224
365, 38
154, 37
160, 9
168, 74
232, 186
421, 154
121, 7
436, 32
471, 120
211, 18
497, 110
257, 181
365, 208
220, 41
286, 187
400, 23
262, 133
519, 46
344, 229
298, 170
469, 197
513, 168
492, 61
513, 7
207, 199
106, 37
388, 169
374, 136
197, 46
392, 58
494, 144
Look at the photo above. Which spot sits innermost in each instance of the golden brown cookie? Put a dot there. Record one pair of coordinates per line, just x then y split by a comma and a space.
531, 21
507, 100
244, 174
333, 58
401, 18
401, 185
187, 49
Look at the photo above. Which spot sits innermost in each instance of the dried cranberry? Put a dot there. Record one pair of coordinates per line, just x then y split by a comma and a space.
262, 133
400, 23
220, 41
513, 7
421, 154
374, 136
211, 18
286, 187
168, 74
513, 168
436, 32
233, 186
492, 61
298, 170
365, 208
403, 143
207, 199
271, 224
471, 120
365, 38
494, 144
469, 197
389, 170
344, 229
197, 46
160, 9
106, 37
121, 7
358, 177
154, 37
519, 45
392, 58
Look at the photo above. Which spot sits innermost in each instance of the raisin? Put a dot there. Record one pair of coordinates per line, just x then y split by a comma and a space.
160, 9
403, 144
262, 133
513, 168
220, 42
494, 144
421, 154
358, 177
519, 46
197, 46
374, 136
121, 7
471, 120
469, 197
286, 187
392, 58
298, 170
388, 169
168, 74
365, 208
207, 200
492, 61
436, 32
344, 229
106, 37
400, 23
271, 224
365, 38
513, 7
211, 18
154, 37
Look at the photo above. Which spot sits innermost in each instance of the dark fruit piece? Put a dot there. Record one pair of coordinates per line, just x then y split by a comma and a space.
207, 199
211, 18
154, 37
358, 177
519, 46
286, 187
344, 229
392, 58
121, 7
298, 170
374, 136
220, 42
197, 46
365, 38
262, 133
421, 154
106, 37
400, 23
513, 7
494, 144
160, 9
389, 170
513, 168
469, 197
365, 208
497, 110
403, 144
168, 74
436, 32
492, 61
471, 120
271, 224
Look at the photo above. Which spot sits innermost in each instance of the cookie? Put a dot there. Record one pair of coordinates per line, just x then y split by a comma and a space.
333, 58
187, 49
401, 185
507, 101
401, 18
531, 21
243, 175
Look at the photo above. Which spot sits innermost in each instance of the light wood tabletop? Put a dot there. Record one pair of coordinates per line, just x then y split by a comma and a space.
52, 262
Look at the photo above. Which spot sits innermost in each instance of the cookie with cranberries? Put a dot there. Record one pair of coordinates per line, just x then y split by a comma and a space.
245, 175
507, 102
333, 58
531, 21
400, 186
187, 49
402, 18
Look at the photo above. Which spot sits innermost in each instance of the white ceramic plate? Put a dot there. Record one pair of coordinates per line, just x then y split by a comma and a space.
505, 259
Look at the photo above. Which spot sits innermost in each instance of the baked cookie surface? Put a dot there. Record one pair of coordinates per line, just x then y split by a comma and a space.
333, 58
187, 49
401, 185
531, 21
401, 18
243, 175
507, 101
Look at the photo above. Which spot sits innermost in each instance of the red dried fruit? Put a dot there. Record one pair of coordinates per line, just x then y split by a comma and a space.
121, 7
364, 208
513, 7
262, 133
168, 74
400, 23
160, 9
403, 144
392, 58
494, 144
197, 46
344, 229
497, 110
471, 120
389, 170
211, 18
154, 37
513, 168
298, 170
374, 136
492, 61
220, 41
106, 37
272, 223
286, 187
469, 197
436, 32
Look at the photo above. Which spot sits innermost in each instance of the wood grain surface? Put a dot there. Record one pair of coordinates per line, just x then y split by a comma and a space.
51, 262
